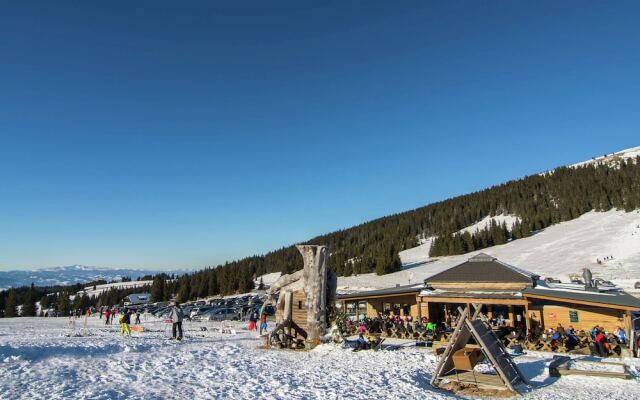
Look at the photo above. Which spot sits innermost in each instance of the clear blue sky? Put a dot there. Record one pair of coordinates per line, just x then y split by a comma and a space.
163, 135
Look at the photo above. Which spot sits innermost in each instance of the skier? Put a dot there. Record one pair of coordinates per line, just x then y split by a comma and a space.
107, 314
175, 315
125, 320
137, 317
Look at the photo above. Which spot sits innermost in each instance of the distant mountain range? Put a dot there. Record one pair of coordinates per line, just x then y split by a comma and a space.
70, 275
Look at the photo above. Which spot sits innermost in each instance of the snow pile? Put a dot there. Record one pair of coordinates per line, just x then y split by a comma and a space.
44, 358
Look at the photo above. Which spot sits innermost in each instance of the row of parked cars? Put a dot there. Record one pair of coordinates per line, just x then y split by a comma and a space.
218, 309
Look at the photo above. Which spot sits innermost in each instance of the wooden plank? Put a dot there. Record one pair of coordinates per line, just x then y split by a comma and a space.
573, 301
587, 317
465, 300
483, 381
480, 285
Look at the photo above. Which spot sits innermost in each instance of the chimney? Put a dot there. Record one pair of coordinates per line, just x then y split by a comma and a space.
586, 276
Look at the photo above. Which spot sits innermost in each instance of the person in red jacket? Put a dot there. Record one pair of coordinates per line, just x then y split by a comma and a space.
263, 322
601, 343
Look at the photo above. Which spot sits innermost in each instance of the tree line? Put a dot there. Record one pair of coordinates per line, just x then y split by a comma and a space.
538, 200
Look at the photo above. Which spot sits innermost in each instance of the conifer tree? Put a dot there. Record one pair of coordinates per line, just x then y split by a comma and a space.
63, 305
11, 304
29, 303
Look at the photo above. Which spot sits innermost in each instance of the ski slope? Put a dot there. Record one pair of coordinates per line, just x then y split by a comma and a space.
556, 252
42, 358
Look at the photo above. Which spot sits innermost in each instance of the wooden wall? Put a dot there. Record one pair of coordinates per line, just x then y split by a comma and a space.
299, 309
374, 305
588, 317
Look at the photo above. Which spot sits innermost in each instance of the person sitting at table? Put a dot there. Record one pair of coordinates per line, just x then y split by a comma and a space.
622, 337
572, 339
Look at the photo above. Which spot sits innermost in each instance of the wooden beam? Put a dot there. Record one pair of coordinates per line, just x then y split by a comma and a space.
587, 303
465, 300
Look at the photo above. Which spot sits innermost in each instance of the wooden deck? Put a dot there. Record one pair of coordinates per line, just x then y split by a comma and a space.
483, 381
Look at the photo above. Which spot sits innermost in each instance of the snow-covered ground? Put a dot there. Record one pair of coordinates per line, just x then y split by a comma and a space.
612, 158
89, 291
557, 251
483, 224
267, 279
42, 358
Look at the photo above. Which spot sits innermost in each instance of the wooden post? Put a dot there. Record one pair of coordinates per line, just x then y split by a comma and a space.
511, 317
490, 311
527, 319
315, 278
288, 310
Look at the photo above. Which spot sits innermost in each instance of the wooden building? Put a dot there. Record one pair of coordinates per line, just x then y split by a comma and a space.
399, 300
509, 295
482, 279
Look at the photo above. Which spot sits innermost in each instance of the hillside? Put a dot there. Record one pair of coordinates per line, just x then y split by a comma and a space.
556, 251
68, 275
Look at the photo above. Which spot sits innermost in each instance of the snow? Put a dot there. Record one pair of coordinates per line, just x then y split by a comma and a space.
89, 291
557, 251
43, 358
611, 159
268, 279
418, 254
484, 223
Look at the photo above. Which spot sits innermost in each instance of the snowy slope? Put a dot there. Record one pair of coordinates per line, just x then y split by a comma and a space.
267, 279
557, 251
483, 224
90, 291
612, 159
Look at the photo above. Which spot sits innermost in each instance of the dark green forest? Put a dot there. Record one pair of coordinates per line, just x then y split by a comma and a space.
539, 200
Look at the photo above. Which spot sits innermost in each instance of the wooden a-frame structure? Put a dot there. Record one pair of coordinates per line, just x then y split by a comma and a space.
508, 375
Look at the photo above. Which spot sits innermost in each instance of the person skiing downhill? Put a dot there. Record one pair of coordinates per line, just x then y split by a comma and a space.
175, 315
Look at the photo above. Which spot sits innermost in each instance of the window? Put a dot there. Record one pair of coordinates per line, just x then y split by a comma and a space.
300, 305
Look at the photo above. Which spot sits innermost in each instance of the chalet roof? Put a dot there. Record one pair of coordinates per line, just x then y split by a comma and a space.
405, 289
483, 268
472, 294
611, 297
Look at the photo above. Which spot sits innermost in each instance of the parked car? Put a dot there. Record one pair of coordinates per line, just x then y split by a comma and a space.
222, 314
200, 310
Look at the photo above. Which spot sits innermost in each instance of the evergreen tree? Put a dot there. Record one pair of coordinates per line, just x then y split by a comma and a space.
64, 304
29, 303
11, 304
158, 288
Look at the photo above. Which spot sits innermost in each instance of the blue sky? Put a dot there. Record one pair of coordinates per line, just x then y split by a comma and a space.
166, 135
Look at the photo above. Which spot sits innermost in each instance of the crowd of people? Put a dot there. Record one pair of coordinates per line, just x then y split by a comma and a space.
600, 342
402, 324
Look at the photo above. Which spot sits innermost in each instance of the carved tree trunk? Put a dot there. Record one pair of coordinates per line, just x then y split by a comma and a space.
315, 278
288, 309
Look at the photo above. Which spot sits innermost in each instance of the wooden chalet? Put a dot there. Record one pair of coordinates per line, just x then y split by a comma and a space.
510, 296
482, 279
